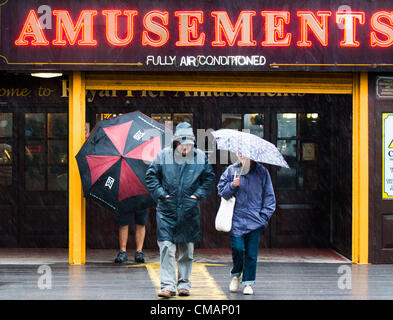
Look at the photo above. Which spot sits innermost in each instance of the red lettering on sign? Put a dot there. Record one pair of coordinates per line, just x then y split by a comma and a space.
188, 28
64, 25
112, 26
319, 28
240, 32
32, 29
154, 27
223, 25
349, 19
274, 29
382, 28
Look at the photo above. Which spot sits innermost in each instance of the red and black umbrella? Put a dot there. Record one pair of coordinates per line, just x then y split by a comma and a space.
114, 159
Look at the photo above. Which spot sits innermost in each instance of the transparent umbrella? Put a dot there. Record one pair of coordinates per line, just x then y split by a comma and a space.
249, 146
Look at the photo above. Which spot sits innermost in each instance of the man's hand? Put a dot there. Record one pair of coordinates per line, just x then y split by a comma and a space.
194, 197
167, 196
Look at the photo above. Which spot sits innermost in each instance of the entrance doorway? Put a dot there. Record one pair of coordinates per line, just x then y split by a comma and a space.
314, 134
33, 177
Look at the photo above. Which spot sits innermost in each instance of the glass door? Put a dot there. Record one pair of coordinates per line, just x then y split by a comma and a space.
302, 190
43, 218
8, 181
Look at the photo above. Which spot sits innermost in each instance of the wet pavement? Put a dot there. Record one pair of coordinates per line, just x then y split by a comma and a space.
315, 274
50, 256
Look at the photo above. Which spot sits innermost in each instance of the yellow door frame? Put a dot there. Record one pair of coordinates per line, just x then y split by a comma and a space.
280, 82
76, 205
360, 169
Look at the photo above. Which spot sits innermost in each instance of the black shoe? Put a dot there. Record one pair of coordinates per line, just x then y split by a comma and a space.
184, 292
121, 257
139, 258
166, 294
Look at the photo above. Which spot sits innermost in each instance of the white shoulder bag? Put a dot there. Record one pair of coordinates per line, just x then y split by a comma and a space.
225, 214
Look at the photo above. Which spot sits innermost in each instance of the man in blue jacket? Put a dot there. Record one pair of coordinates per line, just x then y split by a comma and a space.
178, 178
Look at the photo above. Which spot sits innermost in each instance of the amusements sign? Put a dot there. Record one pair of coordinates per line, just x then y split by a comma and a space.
189, 35
387, 155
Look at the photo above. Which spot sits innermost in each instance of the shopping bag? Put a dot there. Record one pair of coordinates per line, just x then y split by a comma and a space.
224, 215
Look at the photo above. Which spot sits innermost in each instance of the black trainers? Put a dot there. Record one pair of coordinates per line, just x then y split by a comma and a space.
139, 258
121, 257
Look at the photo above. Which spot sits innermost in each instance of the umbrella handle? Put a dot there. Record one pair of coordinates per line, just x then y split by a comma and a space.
241, 171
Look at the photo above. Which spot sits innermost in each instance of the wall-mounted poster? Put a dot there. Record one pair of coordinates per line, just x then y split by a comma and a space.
387, 156
308, 151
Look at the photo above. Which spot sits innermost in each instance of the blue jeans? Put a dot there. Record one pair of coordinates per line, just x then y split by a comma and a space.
245, 255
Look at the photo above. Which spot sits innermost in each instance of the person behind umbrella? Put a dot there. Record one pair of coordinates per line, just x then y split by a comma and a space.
178, 178
249, 182
123, 221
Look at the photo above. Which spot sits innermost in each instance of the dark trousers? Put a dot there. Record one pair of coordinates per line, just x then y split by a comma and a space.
245, 255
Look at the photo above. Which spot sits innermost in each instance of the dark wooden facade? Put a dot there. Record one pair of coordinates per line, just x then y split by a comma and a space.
381, 210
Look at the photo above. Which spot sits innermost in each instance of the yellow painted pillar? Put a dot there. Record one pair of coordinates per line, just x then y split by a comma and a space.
360, 170
77, 211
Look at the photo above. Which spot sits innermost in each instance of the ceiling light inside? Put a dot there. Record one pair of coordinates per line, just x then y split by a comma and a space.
46, 75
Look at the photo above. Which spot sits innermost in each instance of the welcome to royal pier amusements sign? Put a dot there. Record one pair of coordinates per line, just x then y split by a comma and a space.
189, 35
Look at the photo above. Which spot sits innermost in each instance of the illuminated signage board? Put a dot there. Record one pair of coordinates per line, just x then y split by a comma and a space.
196, 35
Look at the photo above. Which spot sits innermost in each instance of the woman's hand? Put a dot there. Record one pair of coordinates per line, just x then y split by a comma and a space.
236, 181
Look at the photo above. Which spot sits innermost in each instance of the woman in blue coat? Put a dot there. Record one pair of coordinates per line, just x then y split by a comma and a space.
249, 182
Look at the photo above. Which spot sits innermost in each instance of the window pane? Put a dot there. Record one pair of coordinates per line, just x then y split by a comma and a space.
35, 125
286, 178
312, 178
183, 117
5, 153
300, 179
231, 121
57, 178
57, 152
309, 124
5, 125
163, 118
308, 178
35, 153
104, 116
286, 125
288, 149
5, 176
35, 178
57, 125
254, 122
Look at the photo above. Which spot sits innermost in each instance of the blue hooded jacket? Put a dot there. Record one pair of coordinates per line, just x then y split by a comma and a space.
178, 217
255, 200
